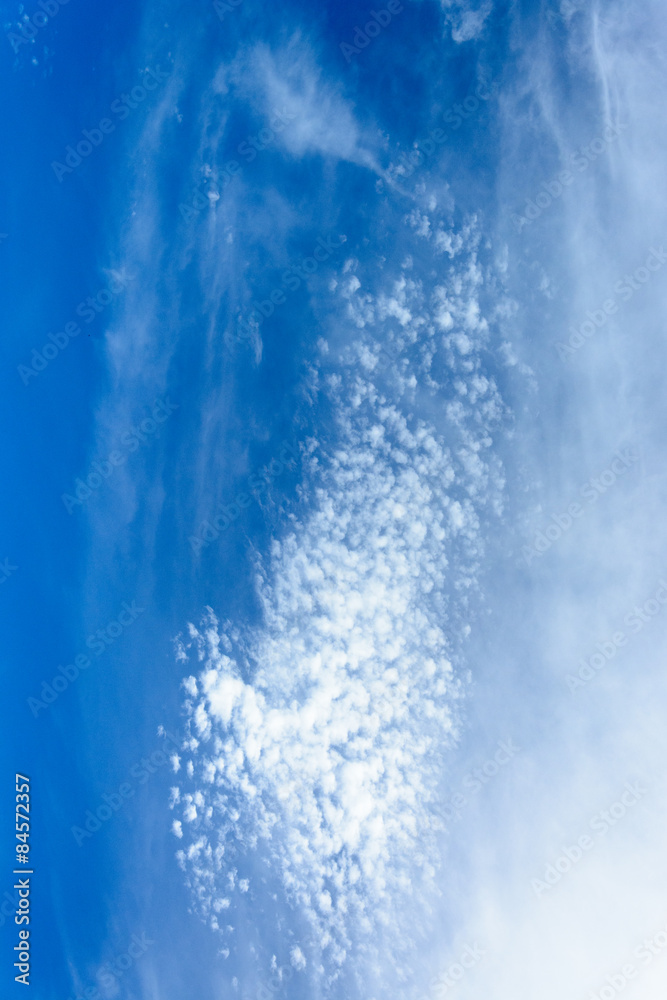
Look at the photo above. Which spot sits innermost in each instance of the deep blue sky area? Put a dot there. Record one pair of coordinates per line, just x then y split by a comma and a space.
295, 412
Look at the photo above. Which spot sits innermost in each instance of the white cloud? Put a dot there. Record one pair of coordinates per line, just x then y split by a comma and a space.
327, 727
297, 958
466, 19
323, 121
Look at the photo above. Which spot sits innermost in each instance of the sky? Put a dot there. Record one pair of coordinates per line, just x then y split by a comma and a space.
334, 559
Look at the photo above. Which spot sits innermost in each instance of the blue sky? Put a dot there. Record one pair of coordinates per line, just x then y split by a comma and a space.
334, 437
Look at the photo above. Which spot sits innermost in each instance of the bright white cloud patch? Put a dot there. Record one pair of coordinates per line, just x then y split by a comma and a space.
318, 739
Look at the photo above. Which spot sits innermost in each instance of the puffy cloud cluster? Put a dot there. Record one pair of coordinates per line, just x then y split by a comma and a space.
318, 739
